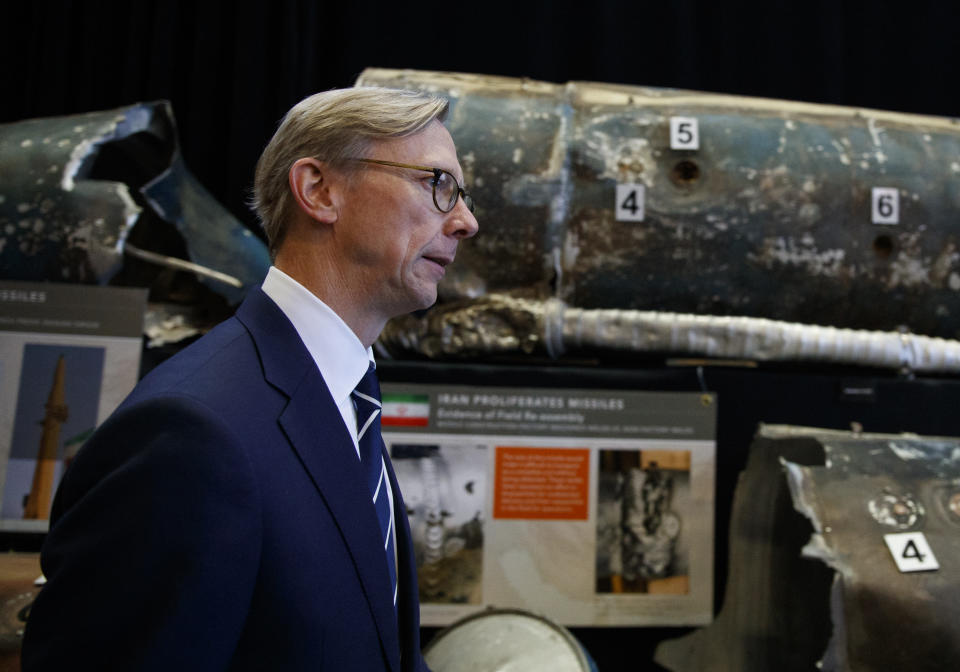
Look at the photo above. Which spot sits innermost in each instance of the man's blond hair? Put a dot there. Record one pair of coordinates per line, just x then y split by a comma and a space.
333, 126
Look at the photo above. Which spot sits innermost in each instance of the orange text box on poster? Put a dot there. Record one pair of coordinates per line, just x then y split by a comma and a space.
541, 483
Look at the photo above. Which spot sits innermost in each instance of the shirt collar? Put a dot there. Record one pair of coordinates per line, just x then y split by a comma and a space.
338, 353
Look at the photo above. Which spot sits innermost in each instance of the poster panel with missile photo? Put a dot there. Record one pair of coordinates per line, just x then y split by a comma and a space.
591, 507
68, 355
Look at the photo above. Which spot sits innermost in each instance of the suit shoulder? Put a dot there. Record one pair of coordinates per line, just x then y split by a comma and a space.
211, 364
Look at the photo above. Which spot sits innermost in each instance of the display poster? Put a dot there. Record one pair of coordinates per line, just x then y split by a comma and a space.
69, 354
590, 507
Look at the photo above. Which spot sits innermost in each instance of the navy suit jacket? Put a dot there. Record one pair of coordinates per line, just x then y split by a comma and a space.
219, 520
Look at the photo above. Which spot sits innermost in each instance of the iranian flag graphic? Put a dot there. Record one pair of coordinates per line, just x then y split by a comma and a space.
406, 410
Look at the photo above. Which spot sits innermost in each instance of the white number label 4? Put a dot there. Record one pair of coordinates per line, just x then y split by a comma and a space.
629, 205
684, 133
911, 552
885, 205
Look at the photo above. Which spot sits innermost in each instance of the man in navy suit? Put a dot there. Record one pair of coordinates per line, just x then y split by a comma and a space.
220, 518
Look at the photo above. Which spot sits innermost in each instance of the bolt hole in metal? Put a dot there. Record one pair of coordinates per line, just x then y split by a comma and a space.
883, 246
685, 173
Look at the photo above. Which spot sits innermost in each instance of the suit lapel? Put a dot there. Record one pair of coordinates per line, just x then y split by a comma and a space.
316, 433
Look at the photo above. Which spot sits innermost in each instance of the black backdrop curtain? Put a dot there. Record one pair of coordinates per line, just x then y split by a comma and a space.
231, 69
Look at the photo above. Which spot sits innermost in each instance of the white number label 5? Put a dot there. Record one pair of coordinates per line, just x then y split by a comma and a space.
885, 205
684, 133
629, 205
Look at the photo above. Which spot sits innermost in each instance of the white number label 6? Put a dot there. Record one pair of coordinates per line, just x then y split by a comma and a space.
885, 207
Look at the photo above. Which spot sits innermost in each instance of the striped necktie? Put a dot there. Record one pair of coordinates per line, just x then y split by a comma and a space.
366, 396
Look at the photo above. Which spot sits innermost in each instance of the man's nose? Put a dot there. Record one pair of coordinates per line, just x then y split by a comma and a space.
460, 222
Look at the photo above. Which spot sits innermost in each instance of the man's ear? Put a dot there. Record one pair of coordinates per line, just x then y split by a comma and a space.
310, 184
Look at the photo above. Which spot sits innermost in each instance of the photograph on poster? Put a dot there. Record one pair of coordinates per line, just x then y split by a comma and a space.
643, 498
445, 492
57, 401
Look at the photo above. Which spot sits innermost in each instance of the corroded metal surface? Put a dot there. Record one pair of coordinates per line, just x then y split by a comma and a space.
55, 227
505, 325
771, 217
870, 486
783, 611
73, 189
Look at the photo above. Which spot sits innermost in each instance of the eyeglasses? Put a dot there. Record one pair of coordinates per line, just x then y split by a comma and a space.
446, 189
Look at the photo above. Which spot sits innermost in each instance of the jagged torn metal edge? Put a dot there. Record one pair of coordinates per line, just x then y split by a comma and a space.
804, 502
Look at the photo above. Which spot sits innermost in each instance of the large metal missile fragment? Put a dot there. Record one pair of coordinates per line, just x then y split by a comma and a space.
896, 600
882, 609
76, 191
775, 215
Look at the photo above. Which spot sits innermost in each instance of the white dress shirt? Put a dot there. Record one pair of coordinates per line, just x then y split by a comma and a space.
338, 353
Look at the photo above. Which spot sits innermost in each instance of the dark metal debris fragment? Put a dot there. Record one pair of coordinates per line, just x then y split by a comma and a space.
75, 190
